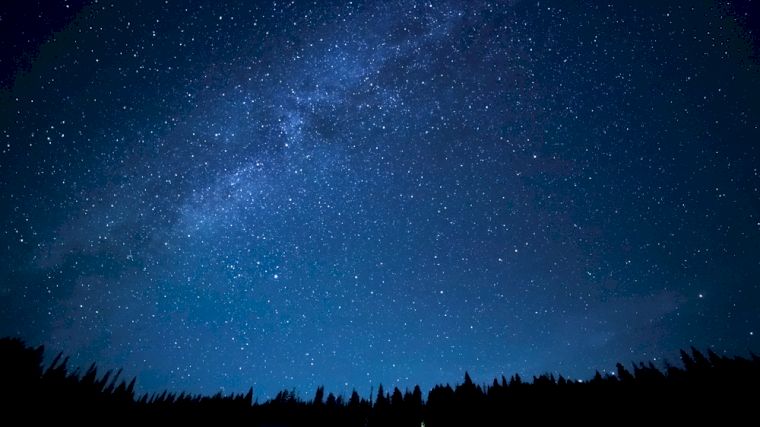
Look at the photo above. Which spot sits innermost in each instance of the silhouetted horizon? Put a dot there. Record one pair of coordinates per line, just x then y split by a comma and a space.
28, 382
367, 391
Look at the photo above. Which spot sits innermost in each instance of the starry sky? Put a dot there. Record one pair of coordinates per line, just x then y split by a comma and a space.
217, 195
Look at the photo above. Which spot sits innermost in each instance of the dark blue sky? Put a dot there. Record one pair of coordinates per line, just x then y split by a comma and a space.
283, 195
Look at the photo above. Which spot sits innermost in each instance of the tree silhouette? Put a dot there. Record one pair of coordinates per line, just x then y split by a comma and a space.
319, 396
623, 374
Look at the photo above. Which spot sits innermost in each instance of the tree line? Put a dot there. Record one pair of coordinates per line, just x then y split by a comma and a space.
705, 385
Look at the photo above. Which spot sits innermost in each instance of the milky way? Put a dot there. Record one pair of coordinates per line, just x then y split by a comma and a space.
283, 195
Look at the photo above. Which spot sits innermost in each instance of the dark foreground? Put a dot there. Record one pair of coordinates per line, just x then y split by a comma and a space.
708, 387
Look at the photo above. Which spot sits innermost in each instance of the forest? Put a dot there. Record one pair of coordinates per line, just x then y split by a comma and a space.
706, 386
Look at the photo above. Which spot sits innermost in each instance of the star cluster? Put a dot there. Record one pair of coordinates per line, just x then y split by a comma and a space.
288, 194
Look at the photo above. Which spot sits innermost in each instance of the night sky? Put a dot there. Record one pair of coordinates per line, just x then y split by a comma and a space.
288, 194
